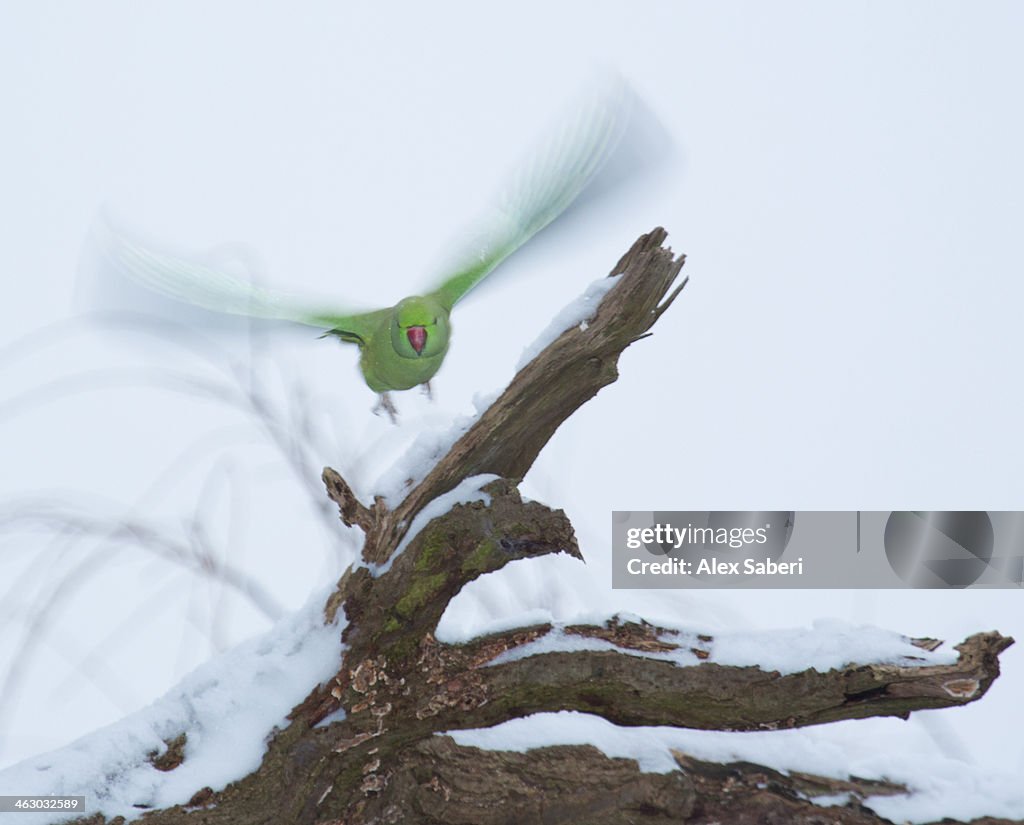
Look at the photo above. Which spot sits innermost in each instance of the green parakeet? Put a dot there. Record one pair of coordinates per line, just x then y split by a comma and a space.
403, 346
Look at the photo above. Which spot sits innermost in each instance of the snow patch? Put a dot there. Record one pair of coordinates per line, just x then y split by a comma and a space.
830, 645
466, 492
578, 313
429, 447
831, 800
454, 633
885, 748
227, 707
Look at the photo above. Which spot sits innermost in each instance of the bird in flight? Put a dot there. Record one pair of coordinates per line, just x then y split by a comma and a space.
403, 346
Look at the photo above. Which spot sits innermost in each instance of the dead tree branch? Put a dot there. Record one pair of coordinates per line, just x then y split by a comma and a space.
628, 689
506, 439
382, 761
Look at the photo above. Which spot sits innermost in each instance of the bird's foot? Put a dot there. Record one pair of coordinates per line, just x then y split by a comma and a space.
385, 404
427, 390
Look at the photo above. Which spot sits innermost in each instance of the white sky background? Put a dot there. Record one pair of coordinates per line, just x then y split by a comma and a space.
846, 184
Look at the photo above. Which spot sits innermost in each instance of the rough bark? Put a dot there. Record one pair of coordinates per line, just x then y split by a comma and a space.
399, 687
629, 690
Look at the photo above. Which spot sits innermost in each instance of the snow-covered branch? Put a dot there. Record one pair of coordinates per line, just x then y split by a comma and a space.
568, 371
636, 679
363, 746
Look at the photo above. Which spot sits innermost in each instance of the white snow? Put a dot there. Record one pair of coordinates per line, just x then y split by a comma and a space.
453, 633
227, 707
940, 786
576, 313
419, 459
831, 800
830, 645
468, 490
337, 715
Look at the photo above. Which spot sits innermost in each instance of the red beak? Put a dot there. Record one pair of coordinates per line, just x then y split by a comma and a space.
417, 337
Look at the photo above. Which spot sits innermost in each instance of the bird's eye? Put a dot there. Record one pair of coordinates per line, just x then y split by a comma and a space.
434, 322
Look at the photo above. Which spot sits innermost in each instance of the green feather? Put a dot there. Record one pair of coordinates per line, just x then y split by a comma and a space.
391, 356
218, 291
545, 186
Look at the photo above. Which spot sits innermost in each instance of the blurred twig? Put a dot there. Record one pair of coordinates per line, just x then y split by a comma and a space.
86, 538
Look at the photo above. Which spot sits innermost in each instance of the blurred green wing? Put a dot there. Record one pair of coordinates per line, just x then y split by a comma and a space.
545, 186
218, 291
